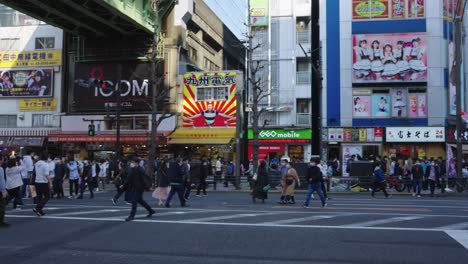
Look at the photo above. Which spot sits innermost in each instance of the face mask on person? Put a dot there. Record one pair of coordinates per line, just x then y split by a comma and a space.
283, 164
312, 164
132, 165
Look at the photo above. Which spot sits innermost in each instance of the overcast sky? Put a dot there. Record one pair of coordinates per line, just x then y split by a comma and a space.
233, 13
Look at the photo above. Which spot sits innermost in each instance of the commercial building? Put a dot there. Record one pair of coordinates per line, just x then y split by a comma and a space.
281, 28
31, 81
387, 85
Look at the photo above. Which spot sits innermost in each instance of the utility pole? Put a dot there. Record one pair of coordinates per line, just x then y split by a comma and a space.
316, 84
154, 88
458, 34
118, 94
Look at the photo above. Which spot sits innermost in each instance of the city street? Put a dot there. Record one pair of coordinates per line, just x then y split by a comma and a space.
229, 228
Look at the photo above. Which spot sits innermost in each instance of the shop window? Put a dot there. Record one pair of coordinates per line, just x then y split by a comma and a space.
8, 121
45, 43
212, 94
40, 120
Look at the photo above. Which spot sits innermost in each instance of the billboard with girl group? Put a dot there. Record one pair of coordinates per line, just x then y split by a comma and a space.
387, 58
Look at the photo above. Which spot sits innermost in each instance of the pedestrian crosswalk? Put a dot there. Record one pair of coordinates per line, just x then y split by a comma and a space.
267, 218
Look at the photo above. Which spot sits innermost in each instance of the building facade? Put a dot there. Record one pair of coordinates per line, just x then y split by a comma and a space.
283, 34
387, 85
31, 81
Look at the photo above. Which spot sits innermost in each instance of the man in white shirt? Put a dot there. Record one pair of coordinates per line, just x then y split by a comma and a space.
43, 184
218, 170
29, 164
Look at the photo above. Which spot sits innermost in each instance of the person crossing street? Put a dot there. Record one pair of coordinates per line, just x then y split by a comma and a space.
43, 184
314, 180
176, 177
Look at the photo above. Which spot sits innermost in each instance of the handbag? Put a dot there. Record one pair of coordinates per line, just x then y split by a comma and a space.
32, 191
266, 188
289, 181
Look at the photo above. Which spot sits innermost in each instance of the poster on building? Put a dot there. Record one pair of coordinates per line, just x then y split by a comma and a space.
26, 83
332, 134
399, 102
452, 81
348, 136
348, 152
361, 106
370, 135
366, 9
25, 59
339, 134
97, 89
355, 134
390, 58
399, 9
416, 8
259, 13
42, 104
381, 105
378, 134
422, 105
209, 99
362, 134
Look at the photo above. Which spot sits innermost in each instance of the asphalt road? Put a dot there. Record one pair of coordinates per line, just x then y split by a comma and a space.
227, 228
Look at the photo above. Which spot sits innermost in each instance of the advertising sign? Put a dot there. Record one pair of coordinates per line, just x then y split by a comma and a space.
378, 134
399, 102
259, 13
348, 152
388, 9
361, 106
451, 135
452, 81
26, 83
415, 134
347, 135
46, 104
24, 59
380, 105
209, 99
389, 58
372, 134
282, 134
332, 134
96, 88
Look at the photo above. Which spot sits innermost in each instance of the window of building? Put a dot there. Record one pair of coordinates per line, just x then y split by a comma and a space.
8, 121
42, 120
129, 123
45, 43
302, 106
212, 94
7, 44
206, 63
193, 54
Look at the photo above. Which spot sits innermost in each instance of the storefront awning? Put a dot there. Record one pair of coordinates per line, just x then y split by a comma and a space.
219, 136
27, 141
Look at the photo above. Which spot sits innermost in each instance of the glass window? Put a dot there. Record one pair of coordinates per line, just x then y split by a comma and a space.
40, 120
302, 106
45, 43
8, 121
129, 123
213, 94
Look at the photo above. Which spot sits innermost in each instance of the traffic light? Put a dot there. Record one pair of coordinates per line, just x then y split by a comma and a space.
91, 130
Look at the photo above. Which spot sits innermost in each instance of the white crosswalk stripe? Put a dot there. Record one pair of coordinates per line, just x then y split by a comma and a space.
384, 221
225, 217
458, 226
91, 212
301, 219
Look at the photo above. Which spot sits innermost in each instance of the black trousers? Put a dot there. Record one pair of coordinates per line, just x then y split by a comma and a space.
187, 190
73, 187
201, 186
2, 208
138, 199
432, 185
380, 185
58, 188
43, 194
179, 189
14, 194
324, 190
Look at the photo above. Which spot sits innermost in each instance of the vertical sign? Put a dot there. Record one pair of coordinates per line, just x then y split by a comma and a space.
259, 13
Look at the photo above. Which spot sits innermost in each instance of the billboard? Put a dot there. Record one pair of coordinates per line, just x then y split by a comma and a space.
20, 59
91, 95
209, 99
380, 105
259, 13
26, 83
362, 106
46, 104
389, 58
388, 9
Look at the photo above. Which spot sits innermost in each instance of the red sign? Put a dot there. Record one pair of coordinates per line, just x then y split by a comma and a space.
348, 136
263, 151
378, 134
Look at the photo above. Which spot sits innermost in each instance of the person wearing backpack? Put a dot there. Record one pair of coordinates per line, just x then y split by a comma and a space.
135, 184
176, 178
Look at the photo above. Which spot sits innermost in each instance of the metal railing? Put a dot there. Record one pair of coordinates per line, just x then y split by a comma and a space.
303, 77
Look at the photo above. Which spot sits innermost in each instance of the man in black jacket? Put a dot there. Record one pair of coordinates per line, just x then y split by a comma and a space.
176, 174
417, 175
136, 186
314, 180
204, 170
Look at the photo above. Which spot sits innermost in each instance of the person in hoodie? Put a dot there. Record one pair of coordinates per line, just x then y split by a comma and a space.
314, 181
176, 178
379, 181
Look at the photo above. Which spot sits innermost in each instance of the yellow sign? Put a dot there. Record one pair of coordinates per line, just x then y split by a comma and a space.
36, 58
46, 104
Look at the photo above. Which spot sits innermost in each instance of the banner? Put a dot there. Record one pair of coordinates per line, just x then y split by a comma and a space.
259, 13
415, 134
48, 104
452, 81
388, 58
388, 9
24, 59
361, 106
380, 105
96, 88
348, 152
26, 83
399, 102
209, 99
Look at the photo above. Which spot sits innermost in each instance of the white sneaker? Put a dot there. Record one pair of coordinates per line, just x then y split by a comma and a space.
414, 195
312, 196
419, 195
